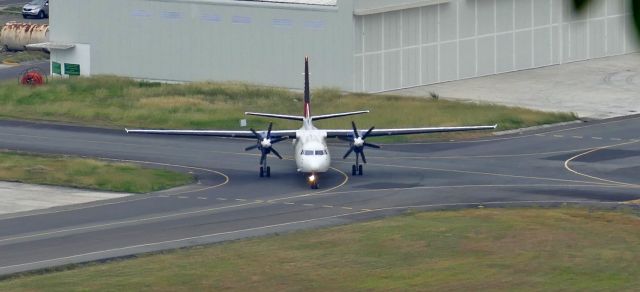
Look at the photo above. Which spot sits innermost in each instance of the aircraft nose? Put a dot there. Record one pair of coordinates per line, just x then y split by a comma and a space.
315, 164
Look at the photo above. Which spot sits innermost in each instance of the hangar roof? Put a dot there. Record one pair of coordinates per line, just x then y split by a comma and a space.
366, 7
308, 2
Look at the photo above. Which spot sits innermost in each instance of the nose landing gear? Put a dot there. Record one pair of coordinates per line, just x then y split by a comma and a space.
312, 179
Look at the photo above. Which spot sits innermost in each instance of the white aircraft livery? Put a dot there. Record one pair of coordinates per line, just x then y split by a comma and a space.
310, 146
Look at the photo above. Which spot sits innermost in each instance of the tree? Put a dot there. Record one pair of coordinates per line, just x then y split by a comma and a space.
581, 5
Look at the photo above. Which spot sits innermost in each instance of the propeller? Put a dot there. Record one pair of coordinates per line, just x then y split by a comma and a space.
358, 143
265, 144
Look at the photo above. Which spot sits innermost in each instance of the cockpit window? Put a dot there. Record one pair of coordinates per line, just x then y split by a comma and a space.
314, 152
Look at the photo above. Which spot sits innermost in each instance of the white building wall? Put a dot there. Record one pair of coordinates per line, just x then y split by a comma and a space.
470, 38
197, 40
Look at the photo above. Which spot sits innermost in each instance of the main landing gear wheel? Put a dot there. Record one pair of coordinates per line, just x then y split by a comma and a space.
356, 169
357, 145
265, 172
265, 145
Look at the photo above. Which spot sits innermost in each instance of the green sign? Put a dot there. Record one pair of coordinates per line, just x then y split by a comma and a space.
56, 68
72, 69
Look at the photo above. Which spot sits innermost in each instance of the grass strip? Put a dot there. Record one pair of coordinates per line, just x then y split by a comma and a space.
562, 249
120, 102
23, 56
87, 173
13, 9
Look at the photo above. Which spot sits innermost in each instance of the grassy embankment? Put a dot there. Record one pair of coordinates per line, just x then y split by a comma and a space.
12, 9
22, 56
119, 102
86, 173
484, 249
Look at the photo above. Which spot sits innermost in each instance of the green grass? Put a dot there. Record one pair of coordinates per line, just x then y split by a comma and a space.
87, 173
23, 56
13, 9
491, 249
119, 102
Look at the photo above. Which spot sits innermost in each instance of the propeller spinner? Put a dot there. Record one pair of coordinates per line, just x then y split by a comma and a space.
358, 144
265, 144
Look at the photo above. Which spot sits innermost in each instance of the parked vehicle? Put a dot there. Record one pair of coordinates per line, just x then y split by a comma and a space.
37, 8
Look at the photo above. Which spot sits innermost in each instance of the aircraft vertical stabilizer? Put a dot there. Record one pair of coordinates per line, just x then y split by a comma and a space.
307, 94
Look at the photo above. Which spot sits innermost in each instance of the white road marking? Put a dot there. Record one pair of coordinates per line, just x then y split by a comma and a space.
297, 222
241, 200
221, 199
558, 136
347, 208
485, 173
182, 197
308, 205
202, 198
596, 138
123, 222
226, 181
592, 185
616, 139
568, 161
578, 137
520, 136
327, 206
344, 182
289, 203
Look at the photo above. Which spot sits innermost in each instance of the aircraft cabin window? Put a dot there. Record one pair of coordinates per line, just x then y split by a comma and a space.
319, 152
308, 152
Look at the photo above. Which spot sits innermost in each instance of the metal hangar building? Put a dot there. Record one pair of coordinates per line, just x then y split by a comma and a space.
354, 45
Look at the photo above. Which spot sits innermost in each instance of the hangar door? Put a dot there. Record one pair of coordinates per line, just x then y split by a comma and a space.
469, 38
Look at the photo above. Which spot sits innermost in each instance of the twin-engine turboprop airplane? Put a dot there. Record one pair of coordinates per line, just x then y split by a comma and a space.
310, 145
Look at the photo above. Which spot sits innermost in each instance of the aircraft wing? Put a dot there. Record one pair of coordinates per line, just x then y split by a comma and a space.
213, 133
406, 131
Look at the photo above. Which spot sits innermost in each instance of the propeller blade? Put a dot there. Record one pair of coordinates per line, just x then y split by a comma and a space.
256, 133
368, 132
355, 130
363, 158
371, 145
348, 152
279, 140
276, 153
269, 131
251, 147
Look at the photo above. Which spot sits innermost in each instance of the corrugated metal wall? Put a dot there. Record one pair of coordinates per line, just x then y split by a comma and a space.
470, 38
193, 40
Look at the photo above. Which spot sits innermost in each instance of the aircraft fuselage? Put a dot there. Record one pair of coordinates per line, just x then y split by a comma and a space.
310, 148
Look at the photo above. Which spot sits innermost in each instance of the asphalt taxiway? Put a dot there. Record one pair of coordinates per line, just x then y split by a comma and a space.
588, 163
